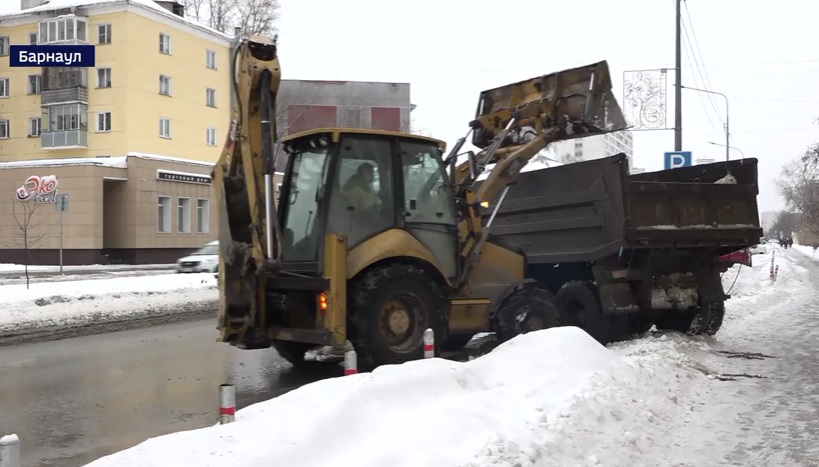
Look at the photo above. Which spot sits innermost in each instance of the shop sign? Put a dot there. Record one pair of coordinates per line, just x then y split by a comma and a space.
170, 176
39, 189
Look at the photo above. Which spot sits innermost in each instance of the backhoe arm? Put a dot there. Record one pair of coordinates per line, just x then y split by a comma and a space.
249, 239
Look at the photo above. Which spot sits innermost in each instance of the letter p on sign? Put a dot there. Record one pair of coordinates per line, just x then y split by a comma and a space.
675, 160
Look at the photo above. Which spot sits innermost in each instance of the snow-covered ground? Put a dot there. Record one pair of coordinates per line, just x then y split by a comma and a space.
80, 301
554, 397
557, 398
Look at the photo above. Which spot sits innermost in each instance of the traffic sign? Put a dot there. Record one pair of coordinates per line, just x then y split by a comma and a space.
677, 159
62, 202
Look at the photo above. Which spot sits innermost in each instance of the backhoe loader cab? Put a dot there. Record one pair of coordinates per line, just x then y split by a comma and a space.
360, 184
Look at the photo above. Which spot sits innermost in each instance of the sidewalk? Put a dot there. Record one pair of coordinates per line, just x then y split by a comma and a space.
17, 270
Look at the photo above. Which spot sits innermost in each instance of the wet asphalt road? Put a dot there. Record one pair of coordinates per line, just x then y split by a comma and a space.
75, 400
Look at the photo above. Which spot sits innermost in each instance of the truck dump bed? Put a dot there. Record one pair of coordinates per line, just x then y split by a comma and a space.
588, 210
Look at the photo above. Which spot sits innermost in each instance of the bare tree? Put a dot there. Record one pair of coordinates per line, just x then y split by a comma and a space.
29, 233
257, 17
799, 186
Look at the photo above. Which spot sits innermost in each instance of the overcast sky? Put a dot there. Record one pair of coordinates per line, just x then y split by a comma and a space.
763, 56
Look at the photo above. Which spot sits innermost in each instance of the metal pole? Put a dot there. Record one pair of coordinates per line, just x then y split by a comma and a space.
727, 130
227, 404
678, 84
61, 241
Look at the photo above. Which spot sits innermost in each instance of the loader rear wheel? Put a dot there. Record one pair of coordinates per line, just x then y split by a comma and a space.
530, 308
293, 352
389, 309
580, 302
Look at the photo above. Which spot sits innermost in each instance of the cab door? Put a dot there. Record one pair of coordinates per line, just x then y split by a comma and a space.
427, 202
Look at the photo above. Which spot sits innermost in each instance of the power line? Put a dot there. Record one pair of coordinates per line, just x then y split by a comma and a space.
697, 52
689, 53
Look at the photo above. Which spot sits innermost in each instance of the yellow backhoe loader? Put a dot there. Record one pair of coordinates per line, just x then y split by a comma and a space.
379, 235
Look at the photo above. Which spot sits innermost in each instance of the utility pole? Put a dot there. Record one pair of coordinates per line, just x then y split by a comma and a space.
678, 84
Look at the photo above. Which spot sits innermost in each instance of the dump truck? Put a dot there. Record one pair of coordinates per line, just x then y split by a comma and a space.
380, 235
624, 252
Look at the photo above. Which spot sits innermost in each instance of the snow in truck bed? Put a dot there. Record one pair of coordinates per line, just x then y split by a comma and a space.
552, 397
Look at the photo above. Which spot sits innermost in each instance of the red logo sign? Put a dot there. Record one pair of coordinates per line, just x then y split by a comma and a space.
41, 189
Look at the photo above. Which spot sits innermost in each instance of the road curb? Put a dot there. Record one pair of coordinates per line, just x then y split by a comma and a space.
43, 331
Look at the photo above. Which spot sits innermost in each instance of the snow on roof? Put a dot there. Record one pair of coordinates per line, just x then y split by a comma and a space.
12, 8
117, 162
178, 160
120, 162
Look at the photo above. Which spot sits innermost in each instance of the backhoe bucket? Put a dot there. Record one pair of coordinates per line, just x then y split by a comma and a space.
577, 101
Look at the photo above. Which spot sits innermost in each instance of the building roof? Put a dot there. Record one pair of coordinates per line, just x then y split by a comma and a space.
11, 9
120, 162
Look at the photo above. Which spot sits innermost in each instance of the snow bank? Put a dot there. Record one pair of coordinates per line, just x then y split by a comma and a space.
554, 396
61, 301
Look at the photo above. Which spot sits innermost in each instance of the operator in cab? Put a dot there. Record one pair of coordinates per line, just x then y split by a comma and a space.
359, 188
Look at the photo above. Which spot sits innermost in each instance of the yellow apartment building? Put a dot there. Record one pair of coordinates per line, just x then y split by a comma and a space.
131, 141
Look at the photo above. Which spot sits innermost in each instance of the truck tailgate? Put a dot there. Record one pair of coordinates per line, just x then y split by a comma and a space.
685, 207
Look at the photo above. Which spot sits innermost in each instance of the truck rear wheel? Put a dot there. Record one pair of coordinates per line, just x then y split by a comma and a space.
580, 302
530, 308
389, 309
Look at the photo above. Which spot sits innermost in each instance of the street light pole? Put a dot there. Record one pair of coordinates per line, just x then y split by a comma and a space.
729, 147
727, 121
678, 83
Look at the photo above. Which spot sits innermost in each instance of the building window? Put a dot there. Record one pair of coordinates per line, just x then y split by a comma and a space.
5, 129
210, 97
63, 29
35, 84
64, 117
164, 44
210, 59
202, 216
163, 211
211, 136
103, 77
164, 127
4, 46
34, 124
103, 34
103, 121
4, 87
165, 85
32, 38
184, 215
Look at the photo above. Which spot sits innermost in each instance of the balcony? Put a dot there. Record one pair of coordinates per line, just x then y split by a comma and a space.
63, 95
64, 139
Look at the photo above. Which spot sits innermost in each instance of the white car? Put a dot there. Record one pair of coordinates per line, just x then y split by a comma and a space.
206, 259
760, 249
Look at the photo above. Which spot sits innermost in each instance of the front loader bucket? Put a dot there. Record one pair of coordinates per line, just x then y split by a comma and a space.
578, 100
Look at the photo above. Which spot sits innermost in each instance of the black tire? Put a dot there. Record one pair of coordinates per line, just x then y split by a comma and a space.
293, 352
580, 303
715, 319
692, 322
529, 308
380, 300
638, 324
457, 341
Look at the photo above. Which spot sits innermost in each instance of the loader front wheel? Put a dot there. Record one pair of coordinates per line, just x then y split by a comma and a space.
389, 309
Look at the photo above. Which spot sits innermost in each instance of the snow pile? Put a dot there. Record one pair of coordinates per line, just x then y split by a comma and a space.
554, 396
54, 302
